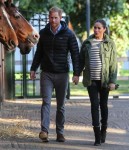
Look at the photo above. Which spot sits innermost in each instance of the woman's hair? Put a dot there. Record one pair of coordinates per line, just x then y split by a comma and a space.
103, 24
56, 9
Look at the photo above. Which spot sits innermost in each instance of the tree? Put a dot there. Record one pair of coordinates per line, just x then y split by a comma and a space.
44, 5
76, 9
115, 10
99, 9
120, 29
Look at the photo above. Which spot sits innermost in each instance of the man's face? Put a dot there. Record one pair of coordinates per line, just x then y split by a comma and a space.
54, 19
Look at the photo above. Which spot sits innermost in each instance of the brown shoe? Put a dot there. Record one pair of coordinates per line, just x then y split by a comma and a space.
43, 136
60, 138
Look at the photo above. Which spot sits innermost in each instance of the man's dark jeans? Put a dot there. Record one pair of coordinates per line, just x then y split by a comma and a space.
99, 101
59, 82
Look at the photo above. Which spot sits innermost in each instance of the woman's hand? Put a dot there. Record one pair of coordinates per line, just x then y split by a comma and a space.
112, 86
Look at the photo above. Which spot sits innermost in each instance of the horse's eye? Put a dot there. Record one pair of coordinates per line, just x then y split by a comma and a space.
0, 17
16, 15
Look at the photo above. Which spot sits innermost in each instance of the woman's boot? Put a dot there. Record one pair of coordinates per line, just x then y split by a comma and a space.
103, 133
97, 136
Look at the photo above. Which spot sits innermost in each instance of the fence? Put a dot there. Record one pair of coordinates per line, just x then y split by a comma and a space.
17, 68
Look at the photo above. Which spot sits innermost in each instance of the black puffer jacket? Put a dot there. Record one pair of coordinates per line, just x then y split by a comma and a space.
52, 52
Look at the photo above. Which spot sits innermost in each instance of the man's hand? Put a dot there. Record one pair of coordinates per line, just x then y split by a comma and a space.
112, 86
32, 75
75, 79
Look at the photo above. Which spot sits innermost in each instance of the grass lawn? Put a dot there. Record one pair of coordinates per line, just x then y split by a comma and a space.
75, 90
124, 72
80, 90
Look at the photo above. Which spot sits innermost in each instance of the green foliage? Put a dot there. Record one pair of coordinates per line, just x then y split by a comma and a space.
24, 4
98, 9
119, 28
116, 10
44, 5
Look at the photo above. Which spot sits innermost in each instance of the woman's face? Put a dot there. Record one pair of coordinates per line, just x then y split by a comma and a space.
99, 30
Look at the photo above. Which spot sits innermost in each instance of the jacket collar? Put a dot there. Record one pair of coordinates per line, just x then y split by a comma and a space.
62, 23
106, 38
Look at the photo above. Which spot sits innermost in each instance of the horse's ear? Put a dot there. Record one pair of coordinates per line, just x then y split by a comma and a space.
2, 1
17, 4
9, 1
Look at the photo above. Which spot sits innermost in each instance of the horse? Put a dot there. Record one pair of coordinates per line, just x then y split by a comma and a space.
7, 34
26, 34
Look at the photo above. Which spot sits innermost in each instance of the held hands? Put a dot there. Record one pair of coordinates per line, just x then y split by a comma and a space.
32, 75
112, 86
75, 80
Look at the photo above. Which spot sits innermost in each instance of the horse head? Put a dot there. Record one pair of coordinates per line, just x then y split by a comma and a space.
26, 34
7, 34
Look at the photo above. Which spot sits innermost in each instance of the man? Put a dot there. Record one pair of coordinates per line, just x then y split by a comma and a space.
55, 43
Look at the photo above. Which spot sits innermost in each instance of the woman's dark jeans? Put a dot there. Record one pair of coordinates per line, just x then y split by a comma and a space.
99, 101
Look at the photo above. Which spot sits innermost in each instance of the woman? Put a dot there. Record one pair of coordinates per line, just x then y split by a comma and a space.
99, 65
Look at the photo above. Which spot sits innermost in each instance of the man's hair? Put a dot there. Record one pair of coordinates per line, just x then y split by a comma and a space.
56, 9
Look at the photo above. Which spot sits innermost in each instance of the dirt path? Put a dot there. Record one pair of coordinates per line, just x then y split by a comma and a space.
20, 125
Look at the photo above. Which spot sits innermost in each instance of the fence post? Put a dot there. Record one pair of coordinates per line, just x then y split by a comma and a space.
9, 75
2, 85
